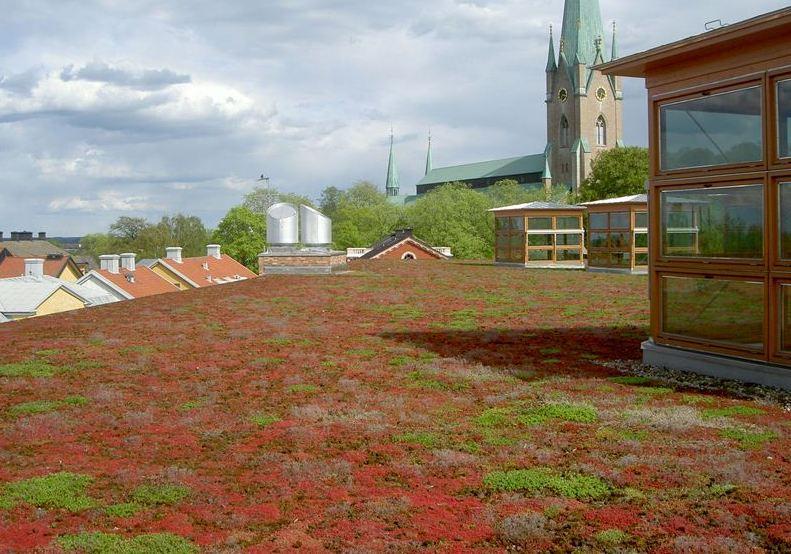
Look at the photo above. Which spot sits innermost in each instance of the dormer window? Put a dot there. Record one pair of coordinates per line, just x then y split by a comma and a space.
601, 131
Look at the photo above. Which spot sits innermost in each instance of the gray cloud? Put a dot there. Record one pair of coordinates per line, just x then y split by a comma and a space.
147, 107
148, 79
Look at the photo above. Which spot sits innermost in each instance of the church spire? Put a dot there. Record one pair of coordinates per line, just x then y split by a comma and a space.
582, 26
614, 44
551, 61
391, 186
429, 160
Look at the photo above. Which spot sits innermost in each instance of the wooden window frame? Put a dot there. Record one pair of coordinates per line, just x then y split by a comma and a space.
730, 265
703, 345
773, 131
703, 91
631, 231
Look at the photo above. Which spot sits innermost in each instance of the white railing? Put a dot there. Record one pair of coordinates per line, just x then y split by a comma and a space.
352, 253
444, 250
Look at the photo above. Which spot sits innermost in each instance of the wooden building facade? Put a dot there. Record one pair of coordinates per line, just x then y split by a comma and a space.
540, 235
618, 234
720, 192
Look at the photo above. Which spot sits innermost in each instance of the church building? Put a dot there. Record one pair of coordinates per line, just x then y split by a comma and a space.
584, 116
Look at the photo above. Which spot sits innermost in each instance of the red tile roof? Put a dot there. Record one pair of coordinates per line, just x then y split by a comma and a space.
146, 282
11, 266
206, 271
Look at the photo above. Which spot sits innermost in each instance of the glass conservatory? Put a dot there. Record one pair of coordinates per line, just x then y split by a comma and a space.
618, 234
540, 235
720, 191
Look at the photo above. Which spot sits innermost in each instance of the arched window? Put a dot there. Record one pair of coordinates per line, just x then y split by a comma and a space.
564, 132
601, 131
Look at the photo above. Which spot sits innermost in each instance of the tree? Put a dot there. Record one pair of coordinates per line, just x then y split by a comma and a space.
260, 199
242, 235
330, 201
455, 215
616, 172
128, 228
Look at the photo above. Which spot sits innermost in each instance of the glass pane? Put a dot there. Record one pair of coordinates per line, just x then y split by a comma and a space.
597, 259
518, 223
502, 223
539, 240
722, 222
641, 240
517, 241
571, 222
785, 331
641, 259
619, 220
784, 118
621, 259
619, 240
713, 130
598, 240
571, 239
518, 255
641, 220
503, 240
785, 221
539, 255
716, 310
534, 223
568, 255
598, 221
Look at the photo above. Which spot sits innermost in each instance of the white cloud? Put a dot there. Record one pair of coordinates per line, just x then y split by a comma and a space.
106, 201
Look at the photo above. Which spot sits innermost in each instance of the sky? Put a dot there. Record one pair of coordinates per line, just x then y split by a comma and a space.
146, 108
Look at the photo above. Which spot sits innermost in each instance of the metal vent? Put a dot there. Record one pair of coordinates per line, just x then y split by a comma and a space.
315, 227
282, 225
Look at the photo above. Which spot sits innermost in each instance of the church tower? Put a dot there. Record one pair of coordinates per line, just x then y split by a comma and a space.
584, 107
391, 185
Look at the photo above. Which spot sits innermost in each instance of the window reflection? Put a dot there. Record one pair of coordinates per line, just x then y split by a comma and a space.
715, 310
598, 221
641, 220
534, 223
712, 130
785, 221
722, 222
784, 118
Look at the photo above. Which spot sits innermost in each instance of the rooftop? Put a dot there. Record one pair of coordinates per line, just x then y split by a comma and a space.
773, 26
538, 206
23, 295
481, 170
634, 199
206, 271
32, 248
138, 283
14, 266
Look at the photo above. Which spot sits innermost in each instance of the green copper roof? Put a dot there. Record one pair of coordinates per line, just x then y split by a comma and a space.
551, 63
481, 170
614, 55
391, 186
582, 26
429, 160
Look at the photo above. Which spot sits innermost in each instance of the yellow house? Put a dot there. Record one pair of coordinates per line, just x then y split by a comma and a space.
36, 294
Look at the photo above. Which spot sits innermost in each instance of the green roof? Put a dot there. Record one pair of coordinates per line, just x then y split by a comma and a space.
482, 170
582, 27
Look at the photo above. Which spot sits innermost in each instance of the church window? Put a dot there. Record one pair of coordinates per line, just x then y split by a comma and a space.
601, 131
564, 132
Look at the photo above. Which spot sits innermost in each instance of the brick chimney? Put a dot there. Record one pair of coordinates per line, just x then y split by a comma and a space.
109, 262
34, 267
173, 253
128, 261
213, 251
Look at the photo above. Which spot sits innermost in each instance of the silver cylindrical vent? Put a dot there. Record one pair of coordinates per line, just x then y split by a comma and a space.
282, 225
315, 227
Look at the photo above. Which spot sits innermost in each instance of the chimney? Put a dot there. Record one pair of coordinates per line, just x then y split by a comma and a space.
128, 261
42, 235
109, 262
213, 250
173, 253
34, 267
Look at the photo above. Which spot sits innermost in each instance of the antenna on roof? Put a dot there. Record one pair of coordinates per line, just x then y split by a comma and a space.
715, 24
263, 179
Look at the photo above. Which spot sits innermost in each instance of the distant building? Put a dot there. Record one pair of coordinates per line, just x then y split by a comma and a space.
36, 294
122, 278
204, 271
584, 117
401, 245
55, 265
